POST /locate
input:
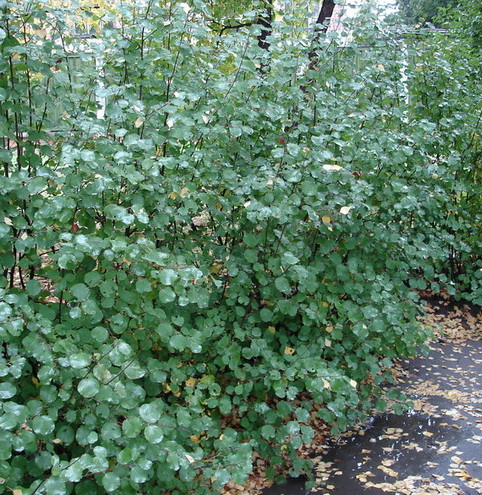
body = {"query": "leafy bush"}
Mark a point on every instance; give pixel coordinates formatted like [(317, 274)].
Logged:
[(196, 252)]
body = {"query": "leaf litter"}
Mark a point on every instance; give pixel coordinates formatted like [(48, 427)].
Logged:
[(446, 395)]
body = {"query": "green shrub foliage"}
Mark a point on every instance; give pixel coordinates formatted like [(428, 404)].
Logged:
[(203, 242)]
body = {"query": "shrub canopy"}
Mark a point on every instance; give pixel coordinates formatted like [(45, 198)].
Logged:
[(203, 242)]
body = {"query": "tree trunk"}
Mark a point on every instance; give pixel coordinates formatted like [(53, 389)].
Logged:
[(265, 21), (321, 26), (326, 11)]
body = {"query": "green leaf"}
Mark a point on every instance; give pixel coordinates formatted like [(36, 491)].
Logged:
[(167, 295), (111, 482), (179, 342), (149, 413), (138, 475), (80, 291), (7, 390), (167, 277), (74, 472), (132, 426), (289, 258), (100, 334), (143, 285), (154, 434), (266, 315), (43, 425), (117, 212), (88, 387), (268, 431), (33, 287), (81, 360), (282, 285)]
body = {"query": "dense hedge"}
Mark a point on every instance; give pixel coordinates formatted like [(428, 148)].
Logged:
[(190, 268)]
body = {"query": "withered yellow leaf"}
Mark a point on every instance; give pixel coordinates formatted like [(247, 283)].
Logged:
[(344, 210)]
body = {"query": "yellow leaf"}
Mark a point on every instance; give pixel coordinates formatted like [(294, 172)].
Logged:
[(272, 329), (173, 195), (195, 439), (344, 210), (191, 382), (329, 329), (328, 342), (331, 167), (138, 122), (326, 384), (353, 383), (326, 219), (189, 458), (380, 67), (289, 351), (216, 268), (8, 221), (184, 192), (17, 492)]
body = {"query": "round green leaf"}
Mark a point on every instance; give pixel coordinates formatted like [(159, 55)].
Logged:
[(100, 334), (111, 482), (88, 387), (154, 434), (43, 425), (167, 277), (143, 285), (80, 291), (7, 390), (81, 360), (149, 413), (32, 287), (74, 472), (167, 295), (132, 427)]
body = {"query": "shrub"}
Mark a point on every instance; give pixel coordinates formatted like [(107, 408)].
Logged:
[(196, 252)]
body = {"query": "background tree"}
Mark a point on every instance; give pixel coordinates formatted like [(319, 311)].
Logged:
[(423, 11)]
